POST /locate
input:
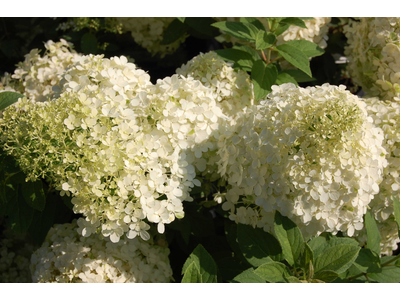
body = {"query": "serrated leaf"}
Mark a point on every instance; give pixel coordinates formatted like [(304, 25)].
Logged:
[(257, 245), (89, 43), (253, 21), (396, 208), (281, 29), (255, 55), (175, 30), (248, 276), (242, 31), (326, 276), (289, 236), (310, 49), (192, 274), (241, 59), (293, 21), (296, 57), (388, 275), (263, 77), (264, 40), (273, 272), (373, 234), (338, 258), (298, 75), (204, 262), (368, 261), (319, 247), (285, 78), (34, 195), (8, 98)]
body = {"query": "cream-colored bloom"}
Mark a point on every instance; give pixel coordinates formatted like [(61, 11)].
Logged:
[(386, 115), (310, 153), (65, 256), (373, 52), (36, 75)]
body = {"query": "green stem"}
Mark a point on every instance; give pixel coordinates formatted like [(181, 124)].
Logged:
[(268, 56), (263, 55)]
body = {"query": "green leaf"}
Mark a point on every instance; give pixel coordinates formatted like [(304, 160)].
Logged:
[(242, 31), (320, 248), (310, 49), (264, 40), (296, 57), (192, 274), (89, 43), (42, 221), (257, 245), (201, 27), (326, 276), (389, 274), (337, 258), (204, 262), (263, 77), (281, 29), (298, 75), (396, 207), (293, 21), (255, 55), (241, 59), (285, 78), (373, 234), (306, 256), (289, 236), (368, 261), (20, 214), (273, 272), (253, 21), (248, 276), (175, 30), (34, 195), (8, 98), (182, 19)]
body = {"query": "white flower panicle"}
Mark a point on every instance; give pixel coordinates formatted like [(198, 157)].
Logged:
[(386, 115), (373, 52), (310, 153), (233, 89), (148, 32), (189, 114), (36, 75), (102, 142), (65, 256)]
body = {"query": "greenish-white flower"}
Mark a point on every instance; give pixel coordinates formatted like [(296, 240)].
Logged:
[(311, 153), (373, 52)]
